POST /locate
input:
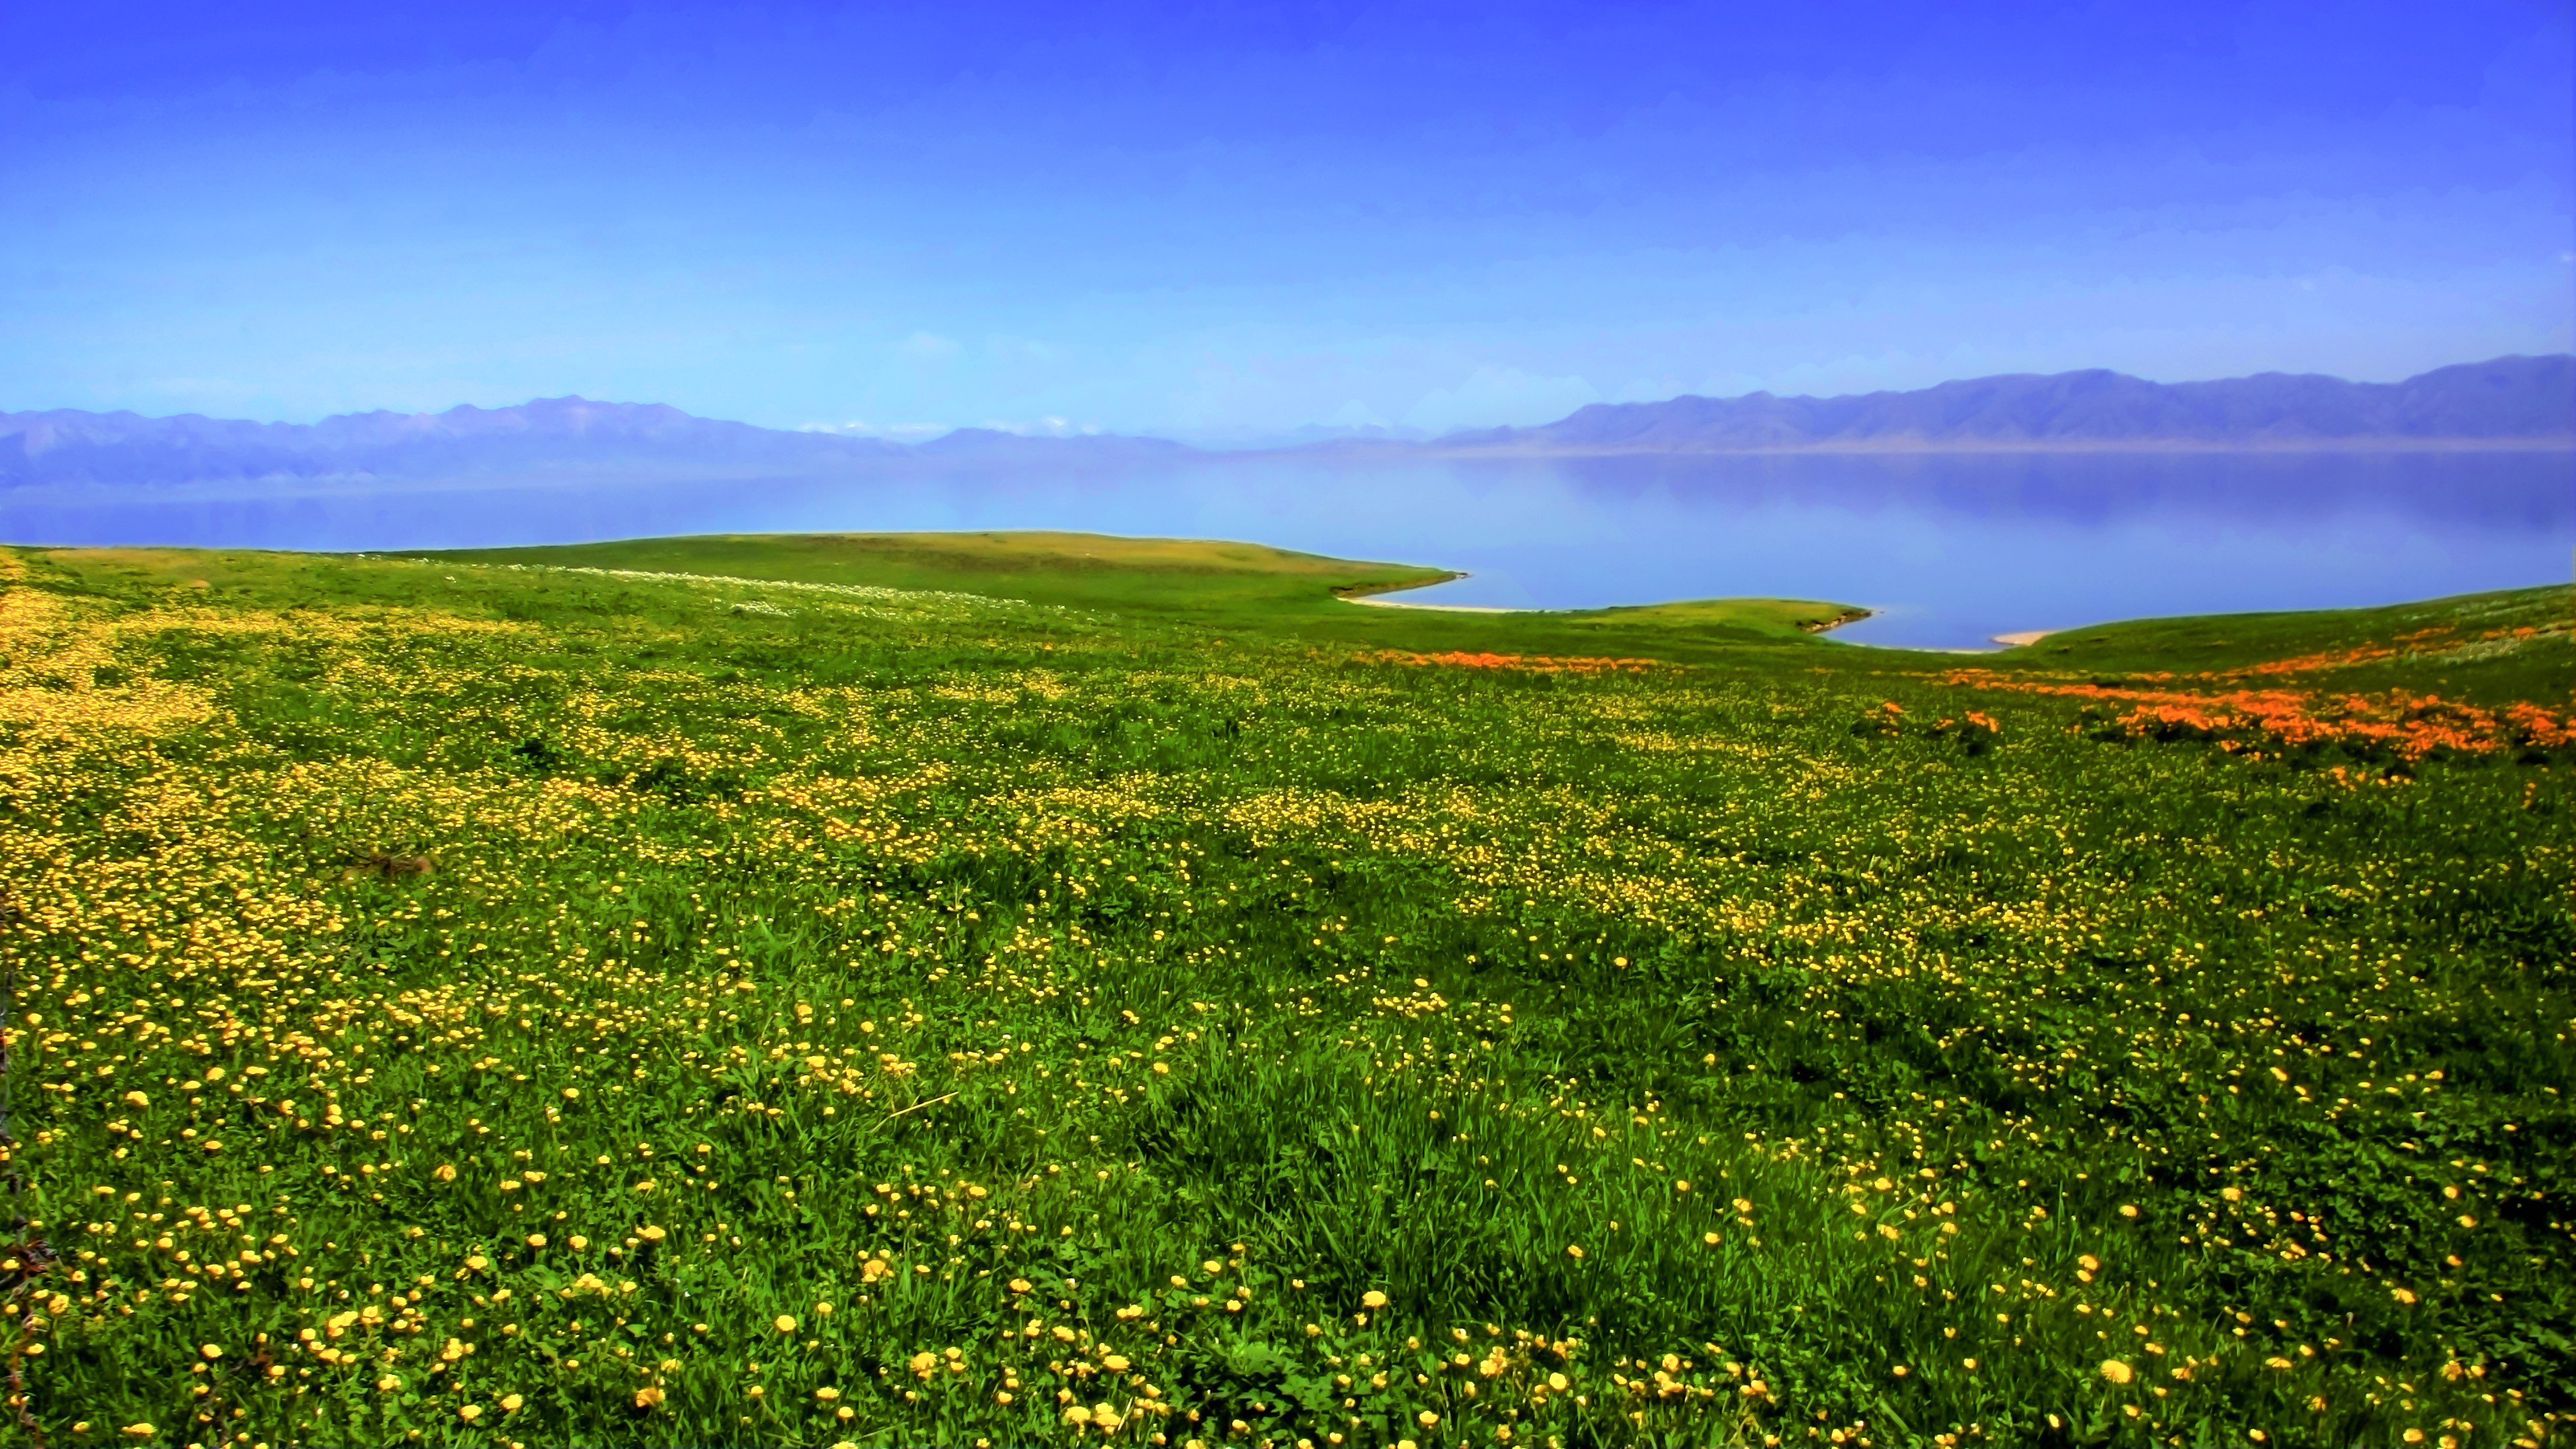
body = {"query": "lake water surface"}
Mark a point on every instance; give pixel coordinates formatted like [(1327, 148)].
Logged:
[(1950, 549)]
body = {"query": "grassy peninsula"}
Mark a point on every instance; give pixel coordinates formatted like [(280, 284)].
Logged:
[(1009, 989)]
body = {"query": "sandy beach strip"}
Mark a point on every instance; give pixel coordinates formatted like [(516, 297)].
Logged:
[(2022, 637), (1380, 601)]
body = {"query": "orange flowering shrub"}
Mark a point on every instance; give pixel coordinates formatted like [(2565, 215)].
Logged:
[(2437, 639), (2216, 705), (2410, 726)]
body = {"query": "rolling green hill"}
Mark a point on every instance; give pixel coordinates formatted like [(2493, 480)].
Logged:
[(1238, 586)]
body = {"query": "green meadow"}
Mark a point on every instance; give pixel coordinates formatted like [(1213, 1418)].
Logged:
[(1011, 989)]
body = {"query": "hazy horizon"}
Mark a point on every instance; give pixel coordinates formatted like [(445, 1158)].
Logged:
[(1250, 438)]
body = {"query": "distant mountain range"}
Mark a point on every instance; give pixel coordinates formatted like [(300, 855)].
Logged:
[(2509, 402), (567, 437)]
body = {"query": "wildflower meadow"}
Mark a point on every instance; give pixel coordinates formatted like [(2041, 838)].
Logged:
[(748, 993)]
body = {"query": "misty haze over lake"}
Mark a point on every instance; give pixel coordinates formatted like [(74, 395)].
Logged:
[(1950, 548)]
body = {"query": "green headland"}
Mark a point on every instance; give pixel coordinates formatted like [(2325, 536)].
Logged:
[(1244, 587)]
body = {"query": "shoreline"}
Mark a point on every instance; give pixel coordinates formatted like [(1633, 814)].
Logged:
[(1852, 615), (1375, 597), (1375, 602)]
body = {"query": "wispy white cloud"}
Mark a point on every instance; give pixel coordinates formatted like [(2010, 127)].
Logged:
[(1046, 427), (897, 432), (929, 348)]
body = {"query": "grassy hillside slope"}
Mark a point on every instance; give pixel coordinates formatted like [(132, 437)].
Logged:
[(1239, 586), (1145, 1000)]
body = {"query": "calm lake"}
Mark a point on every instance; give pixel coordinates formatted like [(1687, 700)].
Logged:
[(1949, 548)]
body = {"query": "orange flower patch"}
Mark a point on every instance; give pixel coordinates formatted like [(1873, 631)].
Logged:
[(2410, 726), (2438, 639), (1536, 663)]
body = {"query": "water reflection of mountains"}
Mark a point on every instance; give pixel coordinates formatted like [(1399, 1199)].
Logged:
[(2472, 489)]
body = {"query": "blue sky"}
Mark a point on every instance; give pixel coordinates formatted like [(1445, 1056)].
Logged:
[(1226, 221)]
